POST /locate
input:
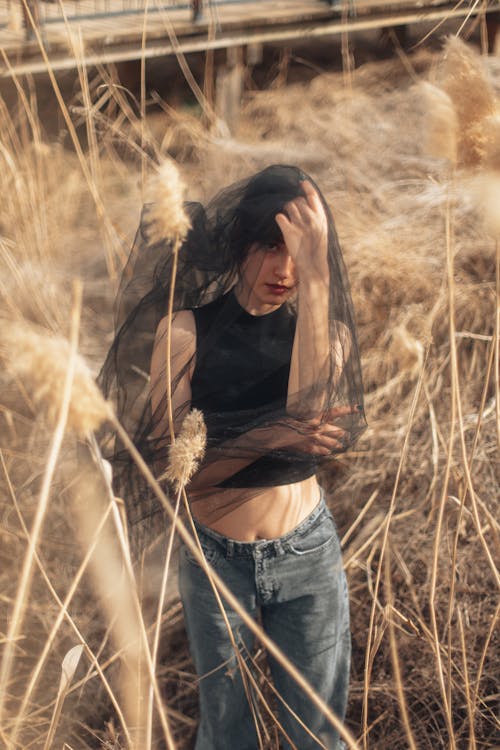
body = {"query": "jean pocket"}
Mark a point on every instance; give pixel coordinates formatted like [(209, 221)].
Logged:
[(319, 538), (209, 548)]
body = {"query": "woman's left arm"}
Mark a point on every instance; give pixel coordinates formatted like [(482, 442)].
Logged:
[(305, 232)]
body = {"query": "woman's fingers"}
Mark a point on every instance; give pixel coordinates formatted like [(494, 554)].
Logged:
[(312, 196), (296, 210), (324, 440), (342, 411), (283, 221)]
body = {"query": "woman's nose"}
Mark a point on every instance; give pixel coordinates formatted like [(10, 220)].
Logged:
[(284, 265)]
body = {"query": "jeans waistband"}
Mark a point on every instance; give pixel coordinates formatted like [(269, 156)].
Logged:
[(267, 547)]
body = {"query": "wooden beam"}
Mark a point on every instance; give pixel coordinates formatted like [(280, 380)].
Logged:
[(225, 40)]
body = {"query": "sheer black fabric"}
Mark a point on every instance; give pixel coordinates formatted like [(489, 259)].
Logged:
[(262, 390)]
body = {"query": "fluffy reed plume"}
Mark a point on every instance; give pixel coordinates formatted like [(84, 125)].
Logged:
[(187, 451), (490, 145), (465, 81), (486, 185), (442, 130), (463, 126), (485, 192), (168, 219), (40, 361)]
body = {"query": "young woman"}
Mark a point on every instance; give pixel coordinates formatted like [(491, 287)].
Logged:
[(263, 343)]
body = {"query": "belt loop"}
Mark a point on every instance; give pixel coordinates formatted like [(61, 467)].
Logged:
[(229, 548)]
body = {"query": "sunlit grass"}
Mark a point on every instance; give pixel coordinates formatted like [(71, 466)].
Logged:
[(424, 267)]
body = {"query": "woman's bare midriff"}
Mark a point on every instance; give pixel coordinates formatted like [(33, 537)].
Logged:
[(258, 514)]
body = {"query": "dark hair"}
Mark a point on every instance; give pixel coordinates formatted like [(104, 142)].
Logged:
[(265, 196)]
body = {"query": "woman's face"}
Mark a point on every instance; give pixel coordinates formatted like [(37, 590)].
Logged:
[(267, 278)]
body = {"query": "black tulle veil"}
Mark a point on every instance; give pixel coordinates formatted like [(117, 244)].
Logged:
[(207, 270)]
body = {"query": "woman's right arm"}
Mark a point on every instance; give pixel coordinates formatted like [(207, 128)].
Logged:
[(222, 462), (182, 358)]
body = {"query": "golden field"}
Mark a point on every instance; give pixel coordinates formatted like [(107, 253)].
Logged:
[(407, 151)]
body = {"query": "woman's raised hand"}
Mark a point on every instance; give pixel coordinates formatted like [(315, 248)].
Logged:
[(305, 230)]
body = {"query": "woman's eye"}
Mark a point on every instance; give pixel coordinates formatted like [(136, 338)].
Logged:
[(271, 248)]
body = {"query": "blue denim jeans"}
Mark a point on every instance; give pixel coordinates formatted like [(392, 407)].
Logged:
[(297, 585)]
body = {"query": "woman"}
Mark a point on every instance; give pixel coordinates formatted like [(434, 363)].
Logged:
[(263, 343)]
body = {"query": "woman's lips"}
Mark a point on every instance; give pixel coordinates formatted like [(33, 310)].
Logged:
[(277, 288)]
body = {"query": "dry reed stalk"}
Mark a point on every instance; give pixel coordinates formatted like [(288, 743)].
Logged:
[(17, 616), (497, 340), (46, 362), (276, 723), (209, 113), (469, 461), (390, 513), (489, 636), (115, 583), (394, 651), (169, 223), (143, 95), (126, 128), (109, 233), (22, 152), (364, 540), (131, 590), (78, 49), (474, 109), (185, 454), (157, 625), (68, 669), (116, 597), (470, 706), (434, 571), (359, 518), (466, 460), (62, 612)]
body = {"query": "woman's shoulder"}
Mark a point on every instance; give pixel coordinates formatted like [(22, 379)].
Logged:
[(183, 329)]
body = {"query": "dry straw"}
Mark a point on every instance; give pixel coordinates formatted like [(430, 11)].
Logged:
[(40, 361), (390, 202)]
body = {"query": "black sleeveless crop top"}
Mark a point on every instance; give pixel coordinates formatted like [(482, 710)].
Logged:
[(240, 381)]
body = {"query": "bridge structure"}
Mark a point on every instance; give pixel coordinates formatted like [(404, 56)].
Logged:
[(64, 33)]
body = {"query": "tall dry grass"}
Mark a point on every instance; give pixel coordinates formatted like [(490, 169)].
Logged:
[(410, 170)]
